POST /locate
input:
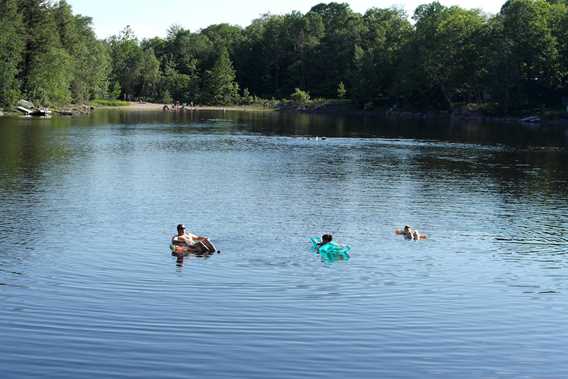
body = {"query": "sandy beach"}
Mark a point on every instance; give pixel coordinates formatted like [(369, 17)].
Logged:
[(134, 106)]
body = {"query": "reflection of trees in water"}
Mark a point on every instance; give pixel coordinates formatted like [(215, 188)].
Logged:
[(533, 173), (33, 156), (30, 148), (329, 125), (527, 186), (473, 131), (518, 173)]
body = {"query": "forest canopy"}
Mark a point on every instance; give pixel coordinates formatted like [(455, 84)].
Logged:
[(441, 57)]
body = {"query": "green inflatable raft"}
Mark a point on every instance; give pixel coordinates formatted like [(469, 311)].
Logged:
[(331, 251)]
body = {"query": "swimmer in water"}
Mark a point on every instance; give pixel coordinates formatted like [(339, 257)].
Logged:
[(410, 234), (325, 239)]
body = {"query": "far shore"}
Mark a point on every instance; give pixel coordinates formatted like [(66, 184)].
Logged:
[(76, 110), (333, 108)]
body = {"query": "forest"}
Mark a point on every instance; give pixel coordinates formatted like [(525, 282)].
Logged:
[(439, 58)]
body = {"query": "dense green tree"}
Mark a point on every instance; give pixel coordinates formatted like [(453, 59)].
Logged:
[(48, 67), (517, 59), (50, 77), (259, 59), (100, 66), (448, 50), (149, 75), (11, 51), (224, 35), (221, 86), (90, 60), (334, 56), (158, 45), (559, 25), (377, 61), (127, 61), (176, 86), (276, 53), (190, 52), (525, 61)]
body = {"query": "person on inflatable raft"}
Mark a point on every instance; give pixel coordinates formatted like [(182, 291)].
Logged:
[(329, 250), (185, 242)]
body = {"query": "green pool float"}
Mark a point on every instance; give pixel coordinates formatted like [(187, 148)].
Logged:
[(331, 251)]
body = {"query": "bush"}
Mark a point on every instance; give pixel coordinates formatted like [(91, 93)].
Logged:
[(341, 91), (300, 97), (246, 98)]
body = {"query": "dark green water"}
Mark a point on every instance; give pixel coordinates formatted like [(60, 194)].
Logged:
[(88, 288)]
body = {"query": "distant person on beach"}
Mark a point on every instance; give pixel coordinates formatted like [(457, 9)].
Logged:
[(194, 244), (410, 234)]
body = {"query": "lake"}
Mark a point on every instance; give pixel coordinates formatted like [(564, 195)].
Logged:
[(89, 288)]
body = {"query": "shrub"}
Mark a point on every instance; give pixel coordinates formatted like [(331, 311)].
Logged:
[(300, 97), (341, 91)]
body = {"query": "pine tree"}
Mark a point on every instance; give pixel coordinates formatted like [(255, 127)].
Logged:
[(221, 86)]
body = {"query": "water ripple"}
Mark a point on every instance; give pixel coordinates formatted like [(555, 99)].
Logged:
[(89, 288)]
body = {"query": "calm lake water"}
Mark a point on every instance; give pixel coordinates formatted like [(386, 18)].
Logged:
[(89, 289)]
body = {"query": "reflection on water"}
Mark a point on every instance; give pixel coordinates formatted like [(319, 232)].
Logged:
[(185, 258), (88, 288)]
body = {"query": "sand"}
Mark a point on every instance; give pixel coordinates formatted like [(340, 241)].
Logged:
[(133, 106)]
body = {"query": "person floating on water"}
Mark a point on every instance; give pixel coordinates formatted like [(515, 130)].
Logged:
[(329, 250), (191, 243), (325, 239), (410, 234)]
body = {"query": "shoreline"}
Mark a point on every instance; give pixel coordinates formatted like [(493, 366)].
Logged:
[(349, 110), (327, 109), (81, 110), (160, 107)]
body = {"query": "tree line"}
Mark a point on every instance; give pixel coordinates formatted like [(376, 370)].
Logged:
[(440, 58)]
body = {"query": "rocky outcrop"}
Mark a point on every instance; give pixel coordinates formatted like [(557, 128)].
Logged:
[(75, 110)]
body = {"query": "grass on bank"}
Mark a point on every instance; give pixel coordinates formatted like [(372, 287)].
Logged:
[(110, 103)]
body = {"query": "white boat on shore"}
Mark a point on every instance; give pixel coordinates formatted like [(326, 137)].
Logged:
[(40, 112)]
